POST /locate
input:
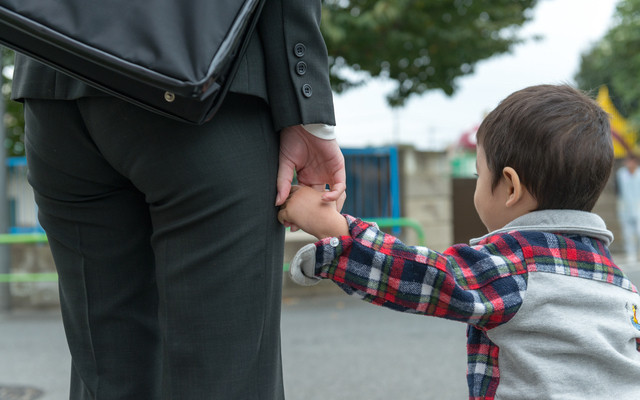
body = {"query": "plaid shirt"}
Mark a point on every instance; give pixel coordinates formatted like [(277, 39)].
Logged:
[(480, 285)]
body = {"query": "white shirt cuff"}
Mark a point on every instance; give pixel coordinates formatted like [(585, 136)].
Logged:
[(322, 131)]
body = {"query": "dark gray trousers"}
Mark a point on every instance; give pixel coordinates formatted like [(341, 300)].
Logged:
[(167, 246)]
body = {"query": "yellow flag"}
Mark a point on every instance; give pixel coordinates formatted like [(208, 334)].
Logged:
[(623, 137)]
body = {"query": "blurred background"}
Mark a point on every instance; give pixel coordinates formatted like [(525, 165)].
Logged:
[(412, 80)]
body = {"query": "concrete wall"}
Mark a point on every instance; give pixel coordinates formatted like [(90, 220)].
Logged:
[(32, 258), (425, 185)]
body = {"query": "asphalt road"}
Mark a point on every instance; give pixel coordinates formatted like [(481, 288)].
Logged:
[(340, 348), (334, 348)]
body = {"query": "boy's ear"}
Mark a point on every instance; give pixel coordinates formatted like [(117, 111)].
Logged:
[(514, 186)]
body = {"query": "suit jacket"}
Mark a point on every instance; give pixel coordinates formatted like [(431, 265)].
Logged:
[(286, 64)]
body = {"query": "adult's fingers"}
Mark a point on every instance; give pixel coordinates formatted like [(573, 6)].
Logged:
[(283, 182), (335, 192)]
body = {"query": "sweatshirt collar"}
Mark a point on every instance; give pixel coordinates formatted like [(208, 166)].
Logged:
[(557, 221)]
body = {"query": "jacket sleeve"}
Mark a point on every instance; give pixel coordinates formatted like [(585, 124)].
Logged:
[(481, 285), (297, 65)]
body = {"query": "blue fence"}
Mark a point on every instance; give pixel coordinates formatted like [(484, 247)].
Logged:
[(373, 182)]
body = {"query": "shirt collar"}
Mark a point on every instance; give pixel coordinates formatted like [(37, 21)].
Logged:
[(557, 221)]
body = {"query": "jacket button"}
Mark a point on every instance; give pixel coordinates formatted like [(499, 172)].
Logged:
[(299, 50), (301, 68), (307, 91)]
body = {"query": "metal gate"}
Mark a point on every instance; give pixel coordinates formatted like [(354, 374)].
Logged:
[(373, 187)]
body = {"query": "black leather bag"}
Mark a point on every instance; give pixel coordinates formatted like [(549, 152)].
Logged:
[(175, 57)]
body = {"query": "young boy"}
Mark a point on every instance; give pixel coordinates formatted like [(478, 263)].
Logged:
[(549, 314)]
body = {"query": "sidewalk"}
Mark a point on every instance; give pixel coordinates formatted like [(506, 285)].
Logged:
[(357, 351), (34, 360)]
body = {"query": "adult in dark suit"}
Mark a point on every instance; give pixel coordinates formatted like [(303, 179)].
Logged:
[(164, 234)]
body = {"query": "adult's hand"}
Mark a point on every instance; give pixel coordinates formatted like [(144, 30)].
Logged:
[(318, 162)]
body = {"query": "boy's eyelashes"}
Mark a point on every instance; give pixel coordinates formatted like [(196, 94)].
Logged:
[(476, 175)]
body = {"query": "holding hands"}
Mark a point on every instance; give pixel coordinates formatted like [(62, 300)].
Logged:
[(306, 209), (317, 161)]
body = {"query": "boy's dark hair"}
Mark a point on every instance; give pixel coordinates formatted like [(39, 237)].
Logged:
[(557, 139)]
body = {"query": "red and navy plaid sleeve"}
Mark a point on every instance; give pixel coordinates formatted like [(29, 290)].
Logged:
[(481, 286)]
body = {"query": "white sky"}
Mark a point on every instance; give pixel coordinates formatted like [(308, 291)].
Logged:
[(433, 121)]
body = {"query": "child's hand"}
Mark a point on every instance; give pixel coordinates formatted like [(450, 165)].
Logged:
[(305, 209)]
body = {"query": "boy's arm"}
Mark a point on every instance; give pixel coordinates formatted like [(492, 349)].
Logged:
[(475, 285)]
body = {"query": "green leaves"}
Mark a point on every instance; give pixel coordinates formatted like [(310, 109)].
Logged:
[(419, 44), (615, 61)]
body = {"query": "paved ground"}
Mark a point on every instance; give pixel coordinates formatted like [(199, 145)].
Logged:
[(340, 348), (334, 348), (34, 363)]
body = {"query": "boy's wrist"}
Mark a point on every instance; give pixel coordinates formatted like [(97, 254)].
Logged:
[(336, 226)]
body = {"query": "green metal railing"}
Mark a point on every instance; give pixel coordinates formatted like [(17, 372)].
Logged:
[(15, 238), (401, 223), (53, 277), (24, 277)]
